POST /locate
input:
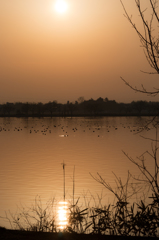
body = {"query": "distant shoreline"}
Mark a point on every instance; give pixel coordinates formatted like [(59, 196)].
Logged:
[(90, 108)]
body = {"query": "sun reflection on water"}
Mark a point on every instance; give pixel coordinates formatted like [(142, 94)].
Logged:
[(62, 215)]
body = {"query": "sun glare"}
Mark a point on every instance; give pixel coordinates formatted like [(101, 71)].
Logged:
[(61, 6), (62, 215)]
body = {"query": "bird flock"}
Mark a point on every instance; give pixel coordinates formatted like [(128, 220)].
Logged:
[(65, 130)]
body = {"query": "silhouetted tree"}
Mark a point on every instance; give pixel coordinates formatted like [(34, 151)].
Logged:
[(148, 37), (33, 108), (40, 109), (25, 108), (106, 99), (70, 108), (7, 108), (80, 99), (51, 107), (139, 106)]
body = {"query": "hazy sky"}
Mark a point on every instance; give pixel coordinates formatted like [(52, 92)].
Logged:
[(46, 55)]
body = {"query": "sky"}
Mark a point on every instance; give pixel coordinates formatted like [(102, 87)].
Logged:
[(46, 55)]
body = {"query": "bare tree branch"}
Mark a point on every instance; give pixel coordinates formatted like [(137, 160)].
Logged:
[(148, 38)]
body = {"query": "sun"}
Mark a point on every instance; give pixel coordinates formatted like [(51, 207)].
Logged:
[(61, 6)]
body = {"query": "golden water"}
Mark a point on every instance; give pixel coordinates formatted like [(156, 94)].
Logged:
[(33, 150)]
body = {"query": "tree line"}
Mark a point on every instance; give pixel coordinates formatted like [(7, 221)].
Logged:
[(81, 107)]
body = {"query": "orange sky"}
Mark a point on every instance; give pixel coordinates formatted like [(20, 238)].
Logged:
[(46, 56)]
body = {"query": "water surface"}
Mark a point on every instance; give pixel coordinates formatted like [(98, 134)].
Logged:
[(33, 150)]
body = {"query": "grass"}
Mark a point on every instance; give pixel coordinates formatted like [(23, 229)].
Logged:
[(119, 219)]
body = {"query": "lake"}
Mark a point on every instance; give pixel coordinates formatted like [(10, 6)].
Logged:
[(34, 149)]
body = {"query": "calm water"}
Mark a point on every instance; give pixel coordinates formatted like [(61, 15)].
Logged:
[(33, 150)]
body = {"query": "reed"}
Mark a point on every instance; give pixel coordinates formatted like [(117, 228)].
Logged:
[(120, 218)]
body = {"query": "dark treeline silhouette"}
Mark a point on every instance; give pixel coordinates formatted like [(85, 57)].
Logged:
[(81, 107)]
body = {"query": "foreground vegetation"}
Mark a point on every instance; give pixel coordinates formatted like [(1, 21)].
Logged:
[(120, 218)]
